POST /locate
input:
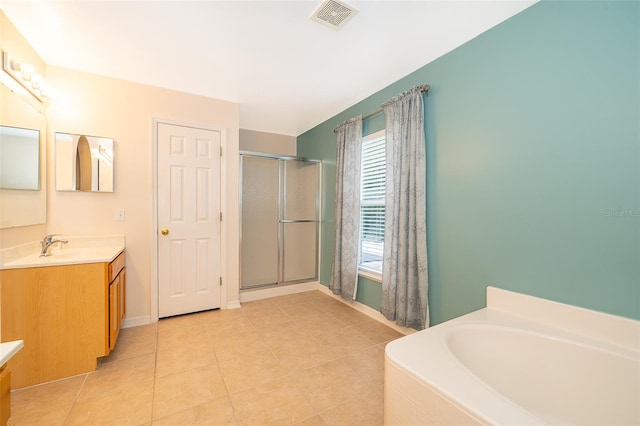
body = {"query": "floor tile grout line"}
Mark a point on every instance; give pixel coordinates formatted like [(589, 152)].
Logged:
[(75, 399), (226, 387), (298, 372), (155, 371), (324, 309)]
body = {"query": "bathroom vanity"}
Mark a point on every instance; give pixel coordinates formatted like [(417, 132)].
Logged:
[(67, 308), (7, 351)]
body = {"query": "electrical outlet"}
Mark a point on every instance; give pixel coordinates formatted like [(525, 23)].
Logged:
[(120, 215)]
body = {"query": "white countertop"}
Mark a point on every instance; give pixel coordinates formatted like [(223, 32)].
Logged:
[(9, 349), (78, 250)]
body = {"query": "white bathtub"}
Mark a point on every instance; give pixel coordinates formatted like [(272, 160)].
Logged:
[(522, 360)]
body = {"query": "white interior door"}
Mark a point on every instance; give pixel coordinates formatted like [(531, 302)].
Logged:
[(188, 219)]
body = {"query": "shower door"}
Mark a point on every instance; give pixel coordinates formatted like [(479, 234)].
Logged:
[(279, 212)]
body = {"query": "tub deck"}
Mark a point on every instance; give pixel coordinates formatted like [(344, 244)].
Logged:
[(522, 360)]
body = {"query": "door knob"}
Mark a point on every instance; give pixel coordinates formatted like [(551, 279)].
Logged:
[(164, 231)]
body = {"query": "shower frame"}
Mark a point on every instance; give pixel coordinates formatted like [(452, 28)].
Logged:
[(281, 202)]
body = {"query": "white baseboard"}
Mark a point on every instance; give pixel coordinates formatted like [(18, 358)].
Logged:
[(134, 322), (234, 304), (368, 311), (249, 296), (265, 293)]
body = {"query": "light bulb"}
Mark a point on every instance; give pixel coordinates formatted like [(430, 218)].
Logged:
[(36, 83), (15, 65), (27, 73)]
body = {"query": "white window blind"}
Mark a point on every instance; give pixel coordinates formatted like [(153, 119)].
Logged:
[(372, 199)]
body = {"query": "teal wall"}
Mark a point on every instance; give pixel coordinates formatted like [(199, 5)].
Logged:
[(533, 146)]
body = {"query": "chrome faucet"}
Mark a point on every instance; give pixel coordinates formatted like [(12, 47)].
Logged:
[(48, 241)]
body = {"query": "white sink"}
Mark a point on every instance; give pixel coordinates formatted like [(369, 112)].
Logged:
[(84, 253)]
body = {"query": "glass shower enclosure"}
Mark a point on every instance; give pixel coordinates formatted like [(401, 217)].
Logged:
[(279, 206)]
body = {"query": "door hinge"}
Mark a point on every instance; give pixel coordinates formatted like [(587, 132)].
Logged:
[(220, 281), (220, 216), (220, 151)]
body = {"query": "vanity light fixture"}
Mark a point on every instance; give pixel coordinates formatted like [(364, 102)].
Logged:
[(25, 76)]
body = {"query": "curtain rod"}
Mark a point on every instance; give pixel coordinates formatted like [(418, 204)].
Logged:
[(423, 88)]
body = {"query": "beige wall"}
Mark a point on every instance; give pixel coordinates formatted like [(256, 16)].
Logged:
[(100, 106), (267, 143)]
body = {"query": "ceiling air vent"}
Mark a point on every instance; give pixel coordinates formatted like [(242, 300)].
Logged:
[(333, 14)]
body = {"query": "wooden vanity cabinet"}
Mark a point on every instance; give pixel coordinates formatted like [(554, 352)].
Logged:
[(67, 315)]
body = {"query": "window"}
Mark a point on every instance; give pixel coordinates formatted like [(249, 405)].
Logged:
[(372, 200)]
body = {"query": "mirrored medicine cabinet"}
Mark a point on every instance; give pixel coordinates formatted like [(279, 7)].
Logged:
[(84, 163)]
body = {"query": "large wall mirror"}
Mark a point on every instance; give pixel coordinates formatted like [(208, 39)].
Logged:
[(84, 163), (19, 158), (23, 194)]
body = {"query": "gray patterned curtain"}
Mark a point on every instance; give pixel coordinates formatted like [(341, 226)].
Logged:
[(344, 274), (404, 270)]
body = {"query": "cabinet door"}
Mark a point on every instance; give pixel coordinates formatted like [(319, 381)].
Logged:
[(122, 299), (5, 395), (114, 314)]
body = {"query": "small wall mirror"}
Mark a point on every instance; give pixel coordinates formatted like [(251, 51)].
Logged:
[(19, 158), (84, 163)]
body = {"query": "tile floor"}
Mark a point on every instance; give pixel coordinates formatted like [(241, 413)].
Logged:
[(300, 359)]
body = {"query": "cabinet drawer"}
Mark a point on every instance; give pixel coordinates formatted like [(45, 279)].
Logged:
[(116, 266)]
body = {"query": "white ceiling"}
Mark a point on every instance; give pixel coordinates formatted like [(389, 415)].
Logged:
[(287, 72)]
